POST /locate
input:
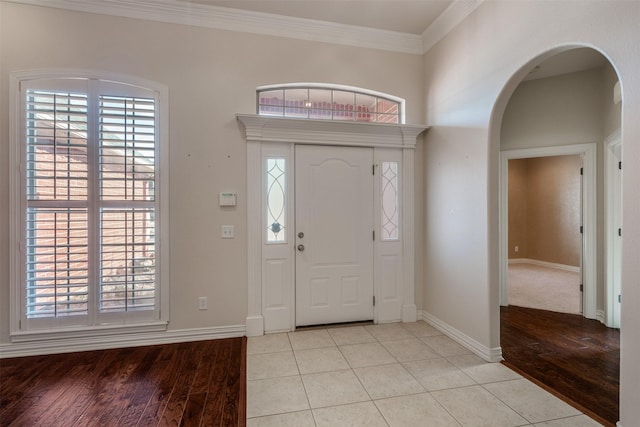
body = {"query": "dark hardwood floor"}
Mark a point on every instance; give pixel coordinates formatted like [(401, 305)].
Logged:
[(575, 358), (188, 384)]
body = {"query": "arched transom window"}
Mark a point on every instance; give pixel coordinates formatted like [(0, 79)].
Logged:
[(329, 102)]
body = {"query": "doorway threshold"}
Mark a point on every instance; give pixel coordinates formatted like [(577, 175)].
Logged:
[(334, 325)]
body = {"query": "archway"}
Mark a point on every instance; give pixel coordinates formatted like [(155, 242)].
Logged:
[(498, 239)]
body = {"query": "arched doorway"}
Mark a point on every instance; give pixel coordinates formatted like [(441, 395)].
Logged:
[(606, 261)]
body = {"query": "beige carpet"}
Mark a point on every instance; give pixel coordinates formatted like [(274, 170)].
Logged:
[(544, 288)]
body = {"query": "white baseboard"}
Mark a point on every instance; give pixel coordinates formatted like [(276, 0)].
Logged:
[(409, 313), (41, 347), (486, 353), (573, 268), (601, 317), (255, 326)]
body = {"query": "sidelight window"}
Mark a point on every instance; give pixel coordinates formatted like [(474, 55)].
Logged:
[(389, 212), (276, 192)]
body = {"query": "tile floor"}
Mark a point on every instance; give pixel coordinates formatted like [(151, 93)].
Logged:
[(391, 375)]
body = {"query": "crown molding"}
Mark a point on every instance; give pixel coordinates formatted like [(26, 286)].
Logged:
[(223, 18), (447, 21)]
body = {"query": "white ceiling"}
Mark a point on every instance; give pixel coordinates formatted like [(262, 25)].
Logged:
[(405, 16), (570, 61)]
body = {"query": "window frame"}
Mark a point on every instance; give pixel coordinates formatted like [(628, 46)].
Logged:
[(89, 81)]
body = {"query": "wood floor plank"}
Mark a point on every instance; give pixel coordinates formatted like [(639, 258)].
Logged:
[(152, 414), (194, 409), (203, 375), (140, 386), (39, 390), (242, 398), (178, 399), (108, 385), (61, 407), (214, 405), (133, 364), (575, 357), (232, 387), (139, 396)]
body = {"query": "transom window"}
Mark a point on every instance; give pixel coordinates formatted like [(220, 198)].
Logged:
[(329, 102), (89, 205)]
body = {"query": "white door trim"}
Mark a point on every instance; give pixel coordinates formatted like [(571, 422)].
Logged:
[(589, 242), (613, 206), (270, 290)]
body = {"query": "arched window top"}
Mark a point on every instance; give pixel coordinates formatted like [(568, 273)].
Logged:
[(321, 101)]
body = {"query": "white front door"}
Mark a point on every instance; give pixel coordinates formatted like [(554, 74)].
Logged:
[(334, 234)]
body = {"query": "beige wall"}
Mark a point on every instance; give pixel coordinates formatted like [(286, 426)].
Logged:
[(561, 110), (544, 209), (211, 76), (518, 209), (470, 76)]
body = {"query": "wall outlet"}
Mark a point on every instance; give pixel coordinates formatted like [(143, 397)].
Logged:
[(202, 303), (516, 249)]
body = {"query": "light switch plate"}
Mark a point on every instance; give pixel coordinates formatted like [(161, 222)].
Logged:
[(227, 232)]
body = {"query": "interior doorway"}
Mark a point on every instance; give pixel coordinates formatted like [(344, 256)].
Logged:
[(586, 229), (545, 241)]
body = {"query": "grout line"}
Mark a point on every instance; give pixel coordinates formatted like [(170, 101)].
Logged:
[(402, 365)]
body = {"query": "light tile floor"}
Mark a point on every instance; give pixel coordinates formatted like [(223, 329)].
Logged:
[(391, 375)]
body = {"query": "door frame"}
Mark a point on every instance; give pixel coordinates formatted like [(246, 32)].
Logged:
[(271, 267), (589, 212), (613, 194)]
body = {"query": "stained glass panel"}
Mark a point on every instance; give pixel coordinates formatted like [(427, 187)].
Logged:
[(389, 190), (276, 219)]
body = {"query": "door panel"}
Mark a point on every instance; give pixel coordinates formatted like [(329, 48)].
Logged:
[(334, 226)]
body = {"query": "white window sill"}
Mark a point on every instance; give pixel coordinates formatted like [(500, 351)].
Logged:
[(85, 332)]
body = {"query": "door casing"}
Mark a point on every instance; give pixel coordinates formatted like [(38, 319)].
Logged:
[(271, 267), (613, 223), (589, 242)]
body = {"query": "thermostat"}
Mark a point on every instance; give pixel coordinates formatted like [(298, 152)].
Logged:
[(227, 199)]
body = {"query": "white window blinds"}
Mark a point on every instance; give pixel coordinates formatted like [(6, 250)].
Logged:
[(90, 205), (57, 235)]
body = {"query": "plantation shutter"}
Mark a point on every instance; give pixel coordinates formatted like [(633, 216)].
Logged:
[(57, 204), (90, 206), (127, 203)]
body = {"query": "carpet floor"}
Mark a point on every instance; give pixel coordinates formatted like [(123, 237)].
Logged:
[(544, 288)]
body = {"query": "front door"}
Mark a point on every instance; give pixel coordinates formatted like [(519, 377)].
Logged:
[(334, 234)]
